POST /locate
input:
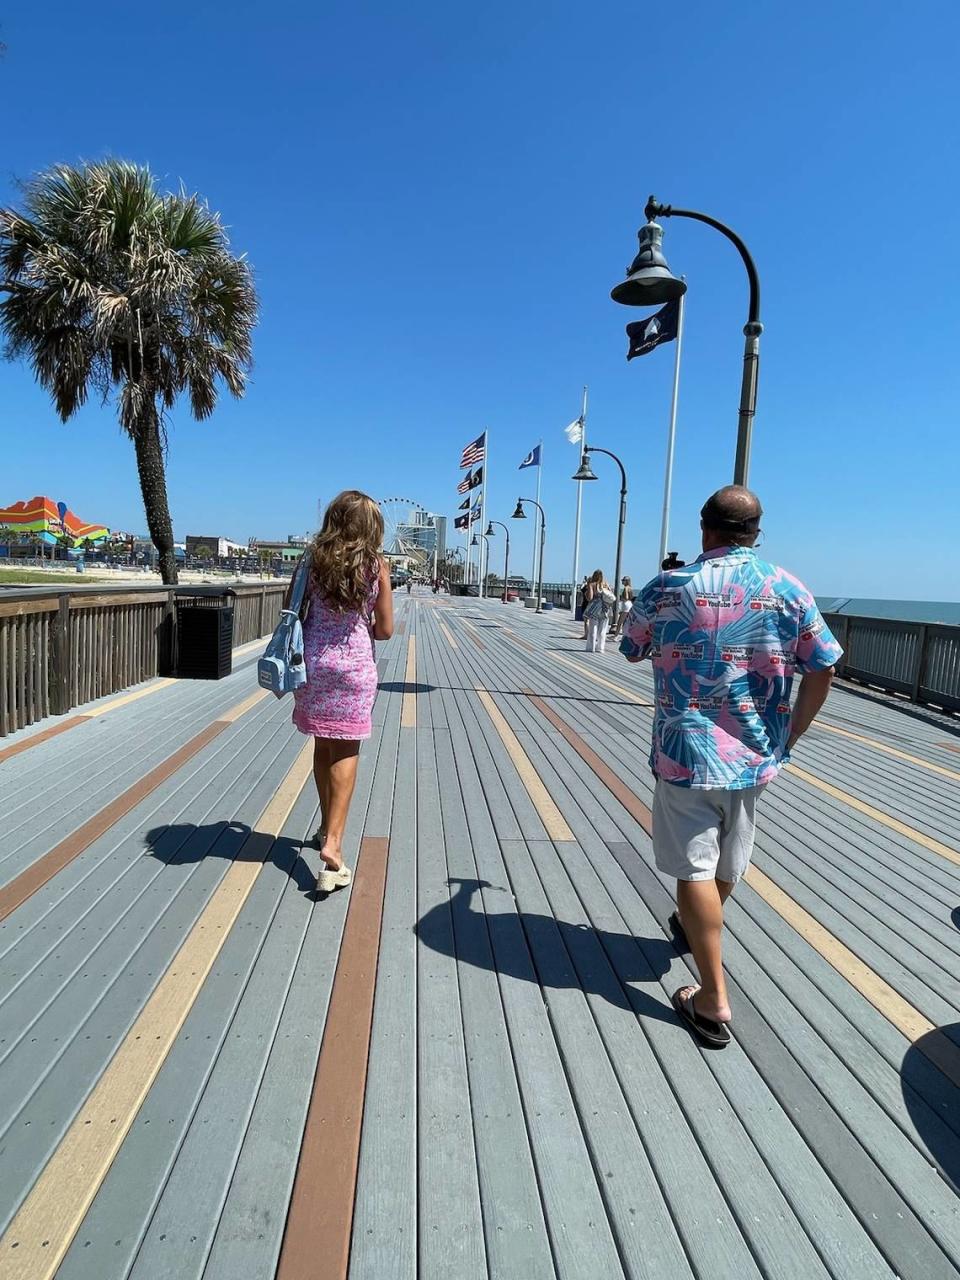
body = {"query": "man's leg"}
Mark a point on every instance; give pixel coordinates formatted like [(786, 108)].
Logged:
[(701, 915)]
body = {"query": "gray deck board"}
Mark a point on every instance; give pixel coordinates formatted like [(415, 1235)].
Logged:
[(532, 1108), (451, 1235)]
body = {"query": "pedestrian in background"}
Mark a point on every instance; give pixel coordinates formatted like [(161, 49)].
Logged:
[(624, 604), (597, 611), (349, 604), (725, 635)]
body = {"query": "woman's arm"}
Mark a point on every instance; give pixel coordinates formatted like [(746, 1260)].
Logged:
[(383, 609)]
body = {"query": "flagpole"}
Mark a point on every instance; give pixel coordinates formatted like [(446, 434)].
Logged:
[(671, 440), (536, 527), (576, 527), (483, 512)]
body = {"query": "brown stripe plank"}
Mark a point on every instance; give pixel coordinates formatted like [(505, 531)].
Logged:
[(37, 875), (316, 1242), (43, 736), (631, 802)]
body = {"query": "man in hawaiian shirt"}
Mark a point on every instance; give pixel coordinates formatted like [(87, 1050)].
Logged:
[(725, 635)]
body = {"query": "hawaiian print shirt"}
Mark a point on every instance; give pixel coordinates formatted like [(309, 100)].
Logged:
[(725, 636)]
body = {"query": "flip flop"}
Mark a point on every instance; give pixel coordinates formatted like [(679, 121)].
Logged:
[(678, 931), (328, 879), (715, 1034)]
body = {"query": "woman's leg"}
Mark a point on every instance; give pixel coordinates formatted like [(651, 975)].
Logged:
[(601, 643), (343, 776), (321, 774)]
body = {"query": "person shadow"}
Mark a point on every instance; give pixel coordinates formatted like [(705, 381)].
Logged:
[(554, 954), (930, 1080), (955, 916), (180, 843)]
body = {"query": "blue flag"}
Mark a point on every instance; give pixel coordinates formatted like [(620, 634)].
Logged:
[(531, 460)]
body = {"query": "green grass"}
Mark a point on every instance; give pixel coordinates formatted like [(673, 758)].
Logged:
[(31, 577)]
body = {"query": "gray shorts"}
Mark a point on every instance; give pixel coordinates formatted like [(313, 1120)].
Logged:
[(703, 835)]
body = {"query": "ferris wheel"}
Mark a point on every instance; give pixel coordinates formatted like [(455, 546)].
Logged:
[(408, 529)]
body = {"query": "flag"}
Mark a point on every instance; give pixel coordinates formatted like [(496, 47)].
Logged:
[(461, 522), (644, 335), (531, 460), (475, 515), (474, 452), (464, 505), (477, 505), (466, 483), (574, 432)]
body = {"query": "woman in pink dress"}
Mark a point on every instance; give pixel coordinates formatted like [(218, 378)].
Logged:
[(349, 604)]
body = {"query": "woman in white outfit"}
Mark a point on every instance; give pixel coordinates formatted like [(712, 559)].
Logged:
[(597, 612), (624, 604)]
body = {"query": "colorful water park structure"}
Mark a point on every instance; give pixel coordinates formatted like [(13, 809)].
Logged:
[(52, 522)]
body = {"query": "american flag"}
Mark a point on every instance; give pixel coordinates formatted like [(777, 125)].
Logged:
[(474, 452), (466, 483)]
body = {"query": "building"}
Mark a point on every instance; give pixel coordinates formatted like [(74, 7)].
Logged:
[(219, 548), (288, 552)]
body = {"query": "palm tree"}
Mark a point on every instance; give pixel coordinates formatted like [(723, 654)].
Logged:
[(115, 287)]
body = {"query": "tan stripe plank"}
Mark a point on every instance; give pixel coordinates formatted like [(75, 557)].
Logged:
[(553, 820), (316, 1243), (126, 698), (449, 635), (878, 815), (892, 751), (40, 1234), (907, 1019)]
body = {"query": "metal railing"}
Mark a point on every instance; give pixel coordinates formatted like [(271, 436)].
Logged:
[(919, 659), (60, 648)]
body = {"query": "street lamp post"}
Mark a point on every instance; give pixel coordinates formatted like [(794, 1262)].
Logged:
[(475, 542), (506, 554), (650, 282), (520, 514), (586, 473)]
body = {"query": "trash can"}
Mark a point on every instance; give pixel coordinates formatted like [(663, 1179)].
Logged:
[(205, 637)]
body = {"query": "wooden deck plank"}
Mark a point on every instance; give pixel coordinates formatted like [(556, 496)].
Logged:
[(777, 1236), (47, 1077), (451, 1236), (113, 1230), (385, 1214), (515, 1231), (250, 1230), (570, 1173)]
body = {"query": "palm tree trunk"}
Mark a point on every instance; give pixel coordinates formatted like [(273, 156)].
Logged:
[(153, 486)]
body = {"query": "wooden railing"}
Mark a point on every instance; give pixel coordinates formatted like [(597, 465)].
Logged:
[(919, 659), (60, 649)]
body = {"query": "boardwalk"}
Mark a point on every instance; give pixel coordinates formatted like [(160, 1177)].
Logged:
[(467, 1065)]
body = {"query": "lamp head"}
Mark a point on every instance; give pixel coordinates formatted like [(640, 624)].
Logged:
[(649, 282), (474, 542), (489, 533), (586, 471), (519, 514)]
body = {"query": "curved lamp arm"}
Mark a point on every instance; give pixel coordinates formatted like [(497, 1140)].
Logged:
[(656, 210)]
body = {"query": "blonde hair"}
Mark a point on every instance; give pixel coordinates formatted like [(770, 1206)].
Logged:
[(597, 575), (345, 554)]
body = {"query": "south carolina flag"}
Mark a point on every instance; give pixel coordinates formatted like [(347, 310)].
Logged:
[(532, 459)]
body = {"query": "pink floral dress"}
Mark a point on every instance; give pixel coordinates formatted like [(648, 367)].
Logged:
[(341, 667)]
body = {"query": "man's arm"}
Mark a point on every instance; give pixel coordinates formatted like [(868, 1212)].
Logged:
[(814, 687)]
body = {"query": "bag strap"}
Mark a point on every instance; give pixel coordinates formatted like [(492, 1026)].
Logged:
[(300, 575)]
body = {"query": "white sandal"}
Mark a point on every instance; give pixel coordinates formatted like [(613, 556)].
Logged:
[(328, 879)]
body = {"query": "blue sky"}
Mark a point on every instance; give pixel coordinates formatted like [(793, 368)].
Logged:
[(437, 200)]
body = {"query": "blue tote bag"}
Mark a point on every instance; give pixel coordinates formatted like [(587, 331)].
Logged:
[(282, 669)]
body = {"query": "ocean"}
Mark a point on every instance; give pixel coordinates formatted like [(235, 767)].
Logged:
[(944, 611)]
